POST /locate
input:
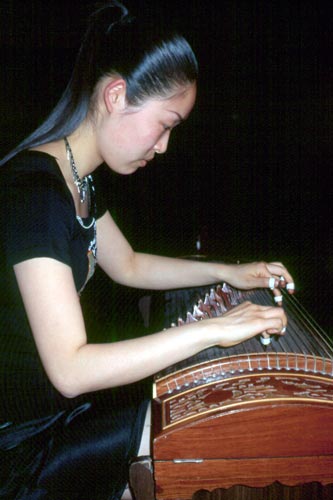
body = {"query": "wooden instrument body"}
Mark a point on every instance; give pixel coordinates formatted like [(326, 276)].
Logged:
[(243, 419)]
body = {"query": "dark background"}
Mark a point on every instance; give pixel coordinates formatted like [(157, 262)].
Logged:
[(251, 169)]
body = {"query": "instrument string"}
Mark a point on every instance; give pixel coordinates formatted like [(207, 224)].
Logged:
[(302, 345), (311, 324), (300, 336)]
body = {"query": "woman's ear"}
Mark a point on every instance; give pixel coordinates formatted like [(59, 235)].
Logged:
[(115, 94)]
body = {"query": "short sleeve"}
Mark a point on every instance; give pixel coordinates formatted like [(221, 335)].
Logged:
[(39, 218)]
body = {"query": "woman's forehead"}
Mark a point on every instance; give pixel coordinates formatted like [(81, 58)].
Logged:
[(180, 102)]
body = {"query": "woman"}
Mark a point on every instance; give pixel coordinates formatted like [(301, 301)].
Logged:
[(70, 419)]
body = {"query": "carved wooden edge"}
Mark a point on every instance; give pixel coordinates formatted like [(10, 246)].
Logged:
[(142, 483), (182, 481), (225, 368), (274, 491), (141, 478)]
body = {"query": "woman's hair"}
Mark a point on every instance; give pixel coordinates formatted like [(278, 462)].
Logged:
[(153, 63)]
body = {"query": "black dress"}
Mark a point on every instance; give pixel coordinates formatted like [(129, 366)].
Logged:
[(52, 447)]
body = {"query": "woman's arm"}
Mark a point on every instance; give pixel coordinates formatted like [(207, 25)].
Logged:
[(122, 264), (75, 367)]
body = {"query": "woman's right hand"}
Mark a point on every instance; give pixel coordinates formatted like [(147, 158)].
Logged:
[(245, 321)]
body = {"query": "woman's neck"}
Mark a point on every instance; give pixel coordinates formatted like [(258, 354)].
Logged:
[(80, 151)]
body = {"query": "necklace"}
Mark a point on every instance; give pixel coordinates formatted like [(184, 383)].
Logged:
[(81, 184)]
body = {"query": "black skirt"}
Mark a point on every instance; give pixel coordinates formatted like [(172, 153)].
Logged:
[(82, 453)]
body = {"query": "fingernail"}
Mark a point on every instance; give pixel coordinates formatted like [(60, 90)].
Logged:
[(290, 286), (271, 283), (278, 298)]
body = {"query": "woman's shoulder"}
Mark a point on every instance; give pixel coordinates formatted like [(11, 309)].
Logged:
[(33, 168), (33, 177), (30, 162)]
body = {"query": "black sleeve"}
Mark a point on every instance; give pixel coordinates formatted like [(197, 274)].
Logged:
[(39, 218)]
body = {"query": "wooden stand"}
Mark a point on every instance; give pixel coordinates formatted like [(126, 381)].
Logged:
[(253, 429)]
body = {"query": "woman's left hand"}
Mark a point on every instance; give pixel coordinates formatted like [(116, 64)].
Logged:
[(271, 275)]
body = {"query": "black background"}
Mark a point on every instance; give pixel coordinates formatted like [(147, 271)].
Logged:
[(251, 169)]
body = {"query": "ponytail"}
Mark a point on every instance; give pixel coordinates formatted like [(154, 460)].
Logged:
[(152, 62)]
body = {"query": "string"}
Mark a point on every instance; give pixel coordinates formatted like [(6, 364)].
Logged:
[(307, 320), (302, 346)]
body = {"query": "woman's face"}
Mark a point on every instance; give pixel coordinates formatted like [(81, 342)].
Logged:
[(130, 137)]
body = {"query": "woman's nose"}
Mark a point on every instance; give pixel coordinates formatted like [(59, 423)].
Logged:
[(162, 144)]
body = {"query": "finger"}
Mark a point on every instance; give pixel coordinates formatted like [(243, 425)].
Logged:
[(265, 339), (283, 278), (271, 282), (278, 298), (248, 320), (274, 331), (290, 287), (271, 320), (274, 320), (282, 282)]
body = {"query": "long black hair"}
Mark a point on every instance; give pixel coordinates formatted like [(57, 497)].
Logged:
[(152, 61)]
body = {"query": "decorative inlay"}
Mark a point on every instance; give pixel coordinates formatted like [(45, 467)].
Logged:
[(244, 390)]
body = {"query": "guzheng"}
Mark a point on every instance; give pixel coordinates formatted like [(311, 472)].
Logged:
[(249, 415)]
